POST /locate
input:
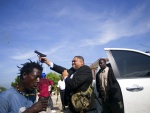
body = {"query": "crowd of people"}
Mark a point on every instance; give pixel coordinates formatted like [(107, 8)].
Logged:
[(22, 98)]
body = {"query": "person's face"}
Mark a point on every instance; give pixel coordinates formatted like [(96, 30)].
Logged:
[(31, 80), (77, 63), (102, 64)]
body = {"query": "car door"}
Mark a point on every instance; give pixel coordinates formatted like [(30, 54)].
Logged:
[(132, 70)]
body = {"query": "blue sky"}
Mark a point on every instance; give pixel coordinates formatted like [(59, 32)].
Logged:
[(64, 28)]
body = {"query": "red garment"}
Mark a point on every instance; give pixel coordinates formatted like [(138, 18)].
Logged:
[(43, 87)]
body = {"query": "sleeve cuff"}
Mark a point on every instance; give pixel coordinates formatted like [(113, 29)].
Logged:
[(51, 65)]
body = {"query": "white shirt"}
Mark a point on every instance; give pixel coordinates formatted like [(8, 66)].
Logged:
[(103, 77), (61, 84)]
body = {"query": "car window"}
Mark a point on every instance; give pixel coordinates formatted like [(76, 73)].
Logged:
[(132, 64)]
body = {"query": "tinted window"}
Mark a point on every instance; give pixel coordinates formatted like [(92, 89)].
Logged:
[(132, 64)]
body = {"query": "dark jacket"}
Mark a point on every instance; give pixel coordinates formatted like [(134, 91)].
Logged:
[(60, 69), (113, 88), (81, 80)]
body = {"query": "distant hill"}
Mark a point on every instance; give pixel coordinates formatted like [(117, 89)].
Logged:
[(2, 88)]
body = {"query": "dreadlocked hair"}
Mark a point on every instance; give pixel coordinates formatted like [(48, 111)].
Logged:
[(28, 67)]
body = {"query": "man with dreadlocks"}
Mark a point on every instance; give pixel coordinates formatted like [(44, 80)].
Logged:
[(19, 99)]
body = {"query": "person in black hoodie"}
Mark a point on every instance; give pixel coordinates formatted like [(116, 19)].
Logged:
[(109, 89), (78, 79)]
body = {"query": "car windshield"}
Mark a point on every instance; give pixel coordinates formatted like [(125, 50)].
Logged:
[(132, 64)]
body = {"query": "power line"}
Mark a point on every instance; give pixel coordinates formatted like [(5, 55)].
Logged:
[(144, 45)]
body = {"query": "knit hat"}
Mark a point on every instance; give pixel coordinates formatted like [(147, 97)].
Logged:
[(43, 75)]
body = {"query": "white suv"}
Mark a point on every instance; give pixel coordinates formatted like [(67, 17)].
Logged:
[(132, 70)]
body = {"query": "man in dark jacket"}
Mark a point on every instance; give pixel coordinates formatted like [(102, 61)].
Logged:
[(109, 89), (79, 80)]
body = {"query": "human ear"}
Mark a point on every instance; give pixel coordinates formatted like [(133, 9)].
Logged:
[(82, 63), (24, 75)]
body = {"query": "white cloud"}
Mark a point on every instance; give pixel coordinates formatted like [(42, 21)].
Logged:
[(23, 55), (62, 12), (55, 49), (127, 26)]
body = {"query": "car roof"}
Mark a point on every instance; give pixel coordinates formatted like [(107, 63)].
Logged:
[(95, 64), (126, 49)]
